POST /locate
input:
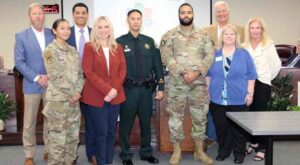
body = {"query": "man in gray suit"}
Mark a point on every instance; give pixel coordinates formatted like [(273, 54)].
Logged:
[(28, 50)]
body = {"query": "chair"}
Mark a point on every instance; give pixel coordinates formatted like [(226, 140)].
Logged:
[(285, 52)]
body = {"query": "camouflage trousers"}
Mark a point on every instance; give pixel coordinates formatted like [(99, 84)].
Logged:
[(181, 97), (63, 131)]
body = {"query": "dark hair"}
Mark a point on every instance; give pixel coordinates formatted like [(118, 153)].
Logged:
[(56, 23), (80, 5), (185, 4), (134, 10)]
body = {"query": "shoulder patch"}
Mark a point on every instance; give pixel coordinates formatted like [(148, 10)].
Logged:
[(48, 57), (162, 43), (147, 46)]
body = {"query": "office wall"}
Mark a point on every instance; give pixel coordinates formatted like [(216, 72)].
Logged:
[(158, 16), (14, 18), (68, 4), (281, 16)]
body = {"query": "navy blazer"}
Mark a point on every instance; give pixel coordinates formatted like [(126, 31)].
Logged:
[(72, 39), (28, 58)]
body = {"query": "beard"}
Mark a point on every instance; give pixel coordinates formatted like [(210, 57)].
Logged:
[(186, 22)]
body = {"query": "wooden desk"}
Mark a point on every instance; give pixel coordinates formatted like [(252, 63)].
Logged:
[(268, 124), (7, 84)]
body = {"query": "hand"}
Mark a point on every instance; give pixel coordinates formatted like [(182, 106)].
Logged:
[(107, 98), (74, 98), (111, 95), (248, 99), (190, 76), (159, 95), (43, 81)]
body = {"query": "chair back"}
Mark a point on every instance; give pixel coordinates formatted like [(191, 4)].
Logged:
[(285, 52)]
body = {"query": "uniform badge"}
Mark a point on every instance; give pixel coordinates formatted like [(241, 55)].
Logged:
[(126, 49), (49, 58), (147, 46), (162, 43)]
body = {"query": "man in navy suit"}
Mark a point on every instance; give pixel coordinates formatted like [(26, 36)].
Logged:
[(28, 51), (79, 32)]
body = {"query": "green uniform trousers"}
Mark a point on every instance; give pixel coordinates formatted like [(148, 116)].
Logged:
[(138, 103), (63, 131)]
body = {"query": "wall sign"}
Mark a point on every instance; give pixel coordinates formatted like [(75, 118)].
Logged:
[(51, 9)]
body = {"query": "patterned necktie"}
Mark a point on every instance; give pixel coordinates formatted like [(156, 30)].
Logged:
[(227, 66), (81, 42)]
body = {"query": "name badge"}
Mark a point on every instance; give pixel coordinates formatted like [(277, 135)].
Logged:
[(126, 49), (219, 59)]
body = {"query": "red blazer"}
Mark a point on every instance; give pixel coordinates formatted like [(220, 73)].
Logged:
[(98, 82)]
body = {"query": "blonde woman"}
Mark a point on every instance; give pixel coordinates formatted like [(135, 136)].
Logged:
[(267, 64), (230, 83), (105, 70)]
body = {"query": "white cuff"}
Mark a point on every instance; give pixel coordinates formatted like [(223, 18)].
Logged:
[(36, 78)]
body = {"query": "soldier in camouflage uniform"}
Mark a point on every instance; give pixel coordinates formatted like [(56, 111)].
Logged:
[(187, 53), (65, 83)]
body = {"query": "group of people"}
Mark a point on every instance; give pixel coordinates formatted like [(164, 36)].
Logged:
[(86, 71)]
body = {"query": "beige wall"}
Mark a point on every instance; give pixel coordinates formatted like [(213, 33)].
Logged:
[(14, 18), (68, 5), (281, 16)]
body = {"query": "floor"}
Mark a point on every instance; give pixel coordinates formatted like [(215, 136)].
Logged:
[(285, 153)]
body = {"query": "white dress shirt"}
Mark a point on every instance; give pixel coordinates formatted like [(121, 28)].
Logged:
[(219, 31), (78, 34), (106, 53), (40, 36), (266, 60)]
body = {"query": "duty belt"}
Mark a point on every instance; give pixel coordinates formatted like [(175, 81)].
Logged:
[(131, 82)]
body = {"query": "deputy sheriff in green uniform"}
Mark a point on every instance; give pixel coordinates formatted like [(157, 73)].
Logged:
[(144, 71)]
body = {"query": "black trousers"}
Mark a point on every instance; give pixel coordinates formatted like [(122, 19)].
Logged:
[(230, 136), (261, 97), (138, 103)]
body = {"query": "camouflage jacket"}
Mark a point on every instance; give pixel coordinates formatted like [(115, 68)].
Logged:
[(192, 50), (64, 70)]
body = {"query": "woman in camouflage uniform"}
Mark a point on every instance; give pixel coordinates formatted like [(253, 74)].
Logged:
[(65, 83)]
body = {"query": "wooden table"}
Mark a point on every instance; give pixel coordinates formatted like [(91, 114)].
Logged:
[(268, 124)]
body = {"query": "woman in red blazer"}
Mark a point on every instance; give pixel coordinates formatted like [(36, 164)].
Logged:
[(105, 70)]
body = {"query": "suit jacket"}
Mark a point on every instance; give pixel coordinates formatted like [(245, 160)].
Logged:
[(28, 58), (212, 30), (72, 39), (98, 81)]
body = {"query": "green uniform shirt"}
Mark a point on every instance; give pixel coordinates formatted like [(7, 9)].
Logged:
[(151, 59)]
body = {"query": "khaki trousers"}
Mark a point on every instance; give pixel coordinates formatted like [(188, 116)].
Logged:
[(31, 107)]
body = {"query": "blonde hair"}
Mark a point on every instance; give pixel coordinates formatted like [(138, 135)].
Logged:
[(264, 40), (237, 36), (35, 4), (112, 44)]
